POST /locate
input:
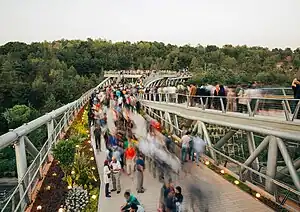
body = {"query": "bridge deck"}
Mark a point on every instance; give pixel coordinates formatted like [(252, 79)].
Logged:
[(203, 190), (265, 125)]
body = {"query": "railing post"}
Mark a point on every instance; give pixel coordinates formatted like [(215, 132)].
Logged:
[(222, 106), (65, 121), (50, 128), (21, 166)]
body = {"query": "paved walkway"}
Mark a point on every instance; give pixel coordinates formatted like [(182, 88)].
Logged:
[(203, 190)]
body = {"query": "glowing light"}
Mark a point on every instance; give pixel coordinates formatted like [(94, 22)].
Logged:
[(89, 141), (69, 187), (48, 188), (87, 131), (236, 182), (207, 162), (91, 149), (92, 158), (94, 197), (222, 171), (72, 172), (39, 207), (95, 179), (54, 174), (93, 168), (257, 195), (61, 210), (77, 146)]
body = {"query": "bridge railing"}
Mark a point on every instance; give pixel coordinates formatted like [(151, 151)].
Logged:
[(283, 191), (281, 108), (28, 177), (139, 72)]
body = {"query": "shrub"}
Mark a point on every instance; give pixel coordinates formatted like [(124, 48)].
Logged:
[(77, 199), (64, 152), (83, 170)]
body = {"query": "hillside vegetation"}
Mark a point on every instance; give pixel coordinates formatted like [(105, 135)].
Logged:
[(39, 77)]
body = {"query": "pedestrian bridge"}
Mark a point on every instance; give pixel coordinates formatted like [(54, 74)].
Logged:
[(203, 188)]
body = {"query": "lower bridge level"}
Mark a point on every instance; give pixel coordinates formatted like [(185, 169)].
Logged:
[(202, 189)]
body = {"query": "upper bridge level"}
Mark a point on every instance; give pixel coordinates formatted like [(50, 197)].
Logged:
[(140, 73)]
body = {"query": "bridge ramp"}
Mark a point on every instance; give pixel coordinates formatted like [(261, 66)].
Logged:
[(262, 125)]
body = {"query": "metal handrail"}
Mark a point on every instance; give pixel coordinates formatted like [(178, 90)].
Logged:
[(282, 185), (41, 157), (231, 103), (8, 138)]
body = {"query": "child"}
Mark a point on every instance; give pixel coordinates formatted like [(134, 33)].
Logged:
[(178, 199)]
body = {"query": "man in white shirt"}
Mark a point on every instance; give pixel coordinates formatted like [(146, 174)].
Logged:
[(185, 143), (116, 168)]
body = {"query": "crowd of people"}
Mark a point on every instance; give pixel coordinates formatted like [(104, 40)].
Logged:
[(110, 115), (240, 99)]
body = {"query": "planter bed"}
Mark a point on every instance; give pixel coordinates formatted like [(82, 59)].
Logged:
[(61, 178)]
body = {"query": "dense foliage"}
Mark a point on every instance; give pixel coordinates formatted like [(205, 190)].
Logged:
[(40, 77), (48, 74)]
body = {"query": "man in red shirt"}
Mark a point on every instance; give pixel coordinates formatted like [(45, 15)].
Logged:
[(130, 157)]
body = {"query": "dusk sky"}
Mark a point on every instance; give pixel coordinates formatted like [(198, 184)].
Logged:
[(270, 23)]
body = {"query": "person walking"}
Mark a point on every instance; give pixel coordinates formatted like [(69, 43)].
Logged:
[(130, 157), (178, 199), (97, 134), (140, 167), (116, 168), (106, 177), (164, 192), (199, 148), (185, 146)]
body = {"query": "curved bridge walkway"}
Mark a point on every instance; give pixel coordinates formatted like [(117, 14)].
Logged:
[(203, 190), (259, 124)]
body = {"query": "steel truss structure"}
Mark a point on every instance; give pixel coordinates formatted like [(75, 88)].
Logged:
[(57, 123), (250, 168)]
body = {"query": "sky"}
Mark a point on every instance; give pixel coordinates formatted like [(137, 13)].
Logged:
[(268, 23)]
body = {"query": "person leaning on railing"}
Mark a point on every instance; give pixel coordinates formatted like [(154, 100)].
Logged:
[(296, 90)]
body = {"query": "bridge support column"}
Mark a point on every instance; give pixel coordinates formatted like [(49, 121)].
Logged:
[(255, 154), (162, 118), (30, 147), (252, 147), (168, 118), (271, 164), (207, 138), (289, 163), (177, 131), (21, 167), (224, 139), (281, 173)]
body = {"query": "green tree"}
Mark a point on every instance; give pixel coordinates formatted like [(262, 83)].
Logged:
[(166, 64), (18, 115), (175, 65)]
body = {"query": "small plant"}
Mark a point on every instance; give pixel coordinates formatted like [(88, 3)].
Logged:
[(77, 199), (83, 173), (64, 152)]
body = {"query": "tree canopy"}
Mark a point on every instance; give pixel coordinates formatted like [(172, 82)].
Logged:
[(39, 77), (48, 74)]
